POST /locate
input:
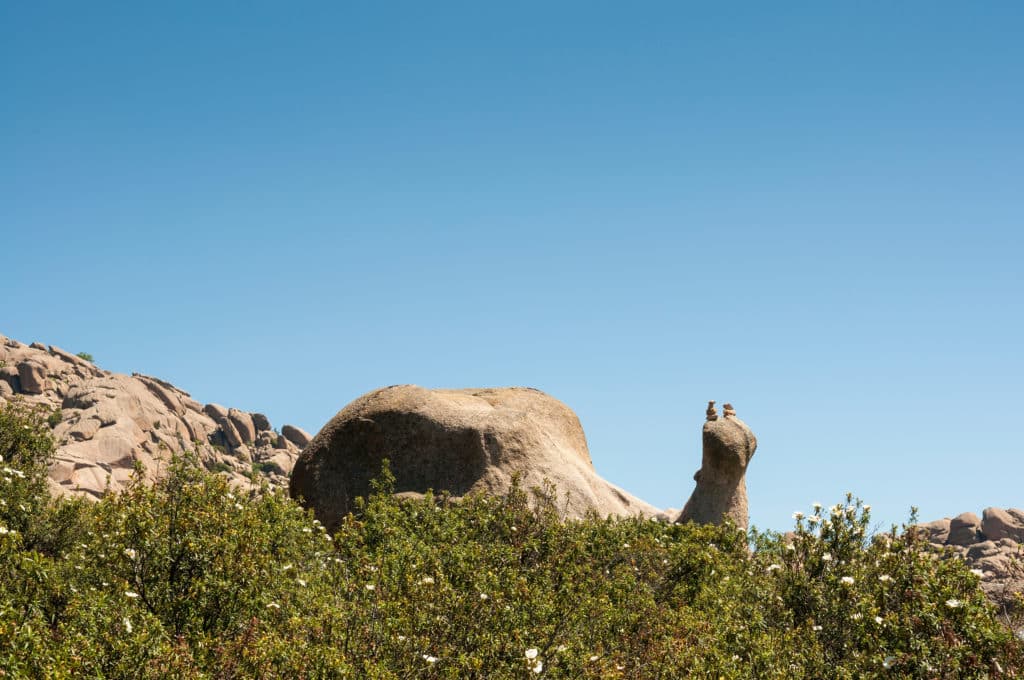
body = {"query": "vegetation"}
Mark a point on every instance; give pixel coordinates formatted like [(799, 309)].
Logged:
[(189, 578), (86, 356)]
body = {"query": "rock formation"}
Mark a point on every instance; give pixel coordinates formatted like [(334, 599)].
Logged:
[(993, 545), (104, 422), (721, 487), (460, 441)]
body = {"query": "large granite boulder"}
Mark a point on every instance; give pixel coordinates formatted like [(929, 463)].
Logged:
[(460, 441), (721, 491)]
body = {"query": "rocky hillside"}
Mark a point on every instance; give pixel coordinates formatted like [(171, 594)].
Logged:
[(105, 422), (992, 544)]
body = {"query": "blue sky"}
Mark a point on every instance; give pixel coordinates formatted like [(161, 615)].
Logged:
[(813, 210)]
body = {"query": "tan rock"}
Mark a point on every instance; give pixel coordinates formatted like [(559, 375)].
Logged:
[(997, 523), (935, 532), (234, 439), (243, 424), (721, 490), (283, 462), (964, 529), (32, 377), (216, 411), (260, 422), (983, 549), (296, 435), (461, 441)]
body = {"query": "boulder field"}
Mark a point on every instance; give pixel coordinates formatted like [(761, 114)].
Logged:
[(104, 422), (992, 544)]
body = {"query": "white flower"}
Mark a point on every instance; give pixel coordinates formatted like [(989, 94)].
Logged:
[(401, 638), (286, 567), (130, 553), (815, 627), (370, 586), (300, 582), (538, 667), (625, 545), (561, 648), (273, 605), (798, 515), (816, 505), (878, 620), (847, 580), (427, 580), (867, 508), (307, 530), (856, 616), (130, 594), (4, 530), (977, 572), (827, 557), (429, 659), (889, 662), (595, 657), (813, 519), (531, 653), (953, 603), (127, 624), (238, 506), (884, 577), (483, 596)]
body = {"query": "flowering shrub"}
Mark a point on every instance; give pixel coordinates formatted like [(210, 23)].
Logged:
[(190, 578)]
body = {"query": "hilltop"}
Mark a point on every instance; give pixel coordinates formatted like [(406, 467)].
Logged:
[(105, 423)]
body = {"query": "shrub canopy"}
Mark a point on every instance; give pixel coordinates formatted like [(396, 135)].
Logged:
[(191, 578)]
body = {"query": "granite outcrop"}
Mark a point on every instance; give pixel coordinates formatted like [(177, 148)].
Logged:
[(105, 423)]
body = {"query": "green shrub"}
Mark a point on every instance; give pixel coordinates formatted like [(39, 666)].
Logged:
[(191, 578), (86, 356)]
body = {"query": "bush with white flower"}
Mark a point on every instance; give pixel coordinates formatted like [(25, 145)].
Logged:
[(188, 578)]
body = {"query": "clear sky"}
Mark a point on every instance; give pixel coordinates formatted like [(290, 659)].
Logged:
[(812, 210)]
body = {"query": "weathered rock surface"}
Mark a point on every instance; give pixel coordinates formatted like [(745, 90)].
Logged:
[(964, 529), (104, 422), (997, 523), (721, 484), (296, 435), (992, 545), (461, 441)]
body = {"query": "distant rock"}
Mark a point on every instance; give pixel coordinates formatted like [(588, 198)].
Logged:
[(108, 421), (461, 441), (937, 531), (32, 376), (296, 435), (964, 529), (997, 523), (990, 545)]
